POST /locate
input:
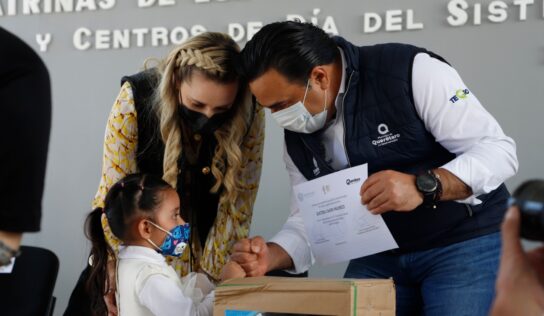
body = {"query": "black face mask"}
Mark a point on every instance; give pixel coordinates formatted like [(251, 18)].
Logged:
[(200, 123)]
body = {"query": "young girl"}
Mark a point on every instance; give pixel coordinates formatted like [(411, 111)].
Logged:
[(143, 212)]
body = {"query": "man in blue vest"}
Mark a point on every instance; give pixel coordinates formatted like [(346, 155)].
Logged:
[(437, 161)]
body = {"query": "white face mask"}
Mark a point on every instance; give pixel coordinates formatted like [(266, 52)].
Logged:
[(296, 118)]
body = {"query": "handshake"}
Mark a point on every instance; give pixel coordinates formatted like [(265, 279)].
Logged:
[(252, 256)]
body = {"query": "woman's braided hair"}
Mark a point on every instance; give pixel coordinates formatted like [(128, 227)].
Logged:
[(215, 55)]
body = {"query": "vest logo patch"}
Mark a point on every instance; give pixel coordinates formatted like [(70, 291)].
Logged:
[(316, 170), (383, 129), (460, 94), (385, 137)]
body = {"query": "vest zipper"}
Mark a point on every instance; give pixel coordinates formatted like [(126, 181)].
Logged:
[(469, 210), (343, 117)]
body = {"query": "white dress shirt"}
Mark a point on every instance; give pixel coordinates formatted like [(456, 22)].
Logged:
[(147, 285), (485, 156)]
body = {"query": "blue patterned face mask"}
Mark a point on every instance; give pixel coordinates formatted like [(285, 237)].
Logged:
[(176, 240)]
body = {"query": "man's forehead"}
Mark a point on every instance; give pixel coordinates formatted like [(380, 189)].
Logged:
[(272, 87), (271, 76)]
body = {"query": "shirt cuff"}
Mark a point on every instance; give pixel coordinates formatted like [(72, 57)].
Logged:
[(475, 175), (297, 248)]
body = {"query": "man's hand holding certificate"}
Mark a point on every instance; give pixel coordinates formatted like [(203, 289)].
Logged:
[(338, 226)]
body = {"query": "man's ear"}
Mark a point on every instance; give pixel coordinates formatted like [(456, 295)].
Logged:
[(144, 228), (320, 77)]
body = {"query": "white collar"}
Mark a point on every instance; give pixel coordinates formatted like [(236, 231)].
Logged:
[(344, 74), (140, 252), (341, 90)]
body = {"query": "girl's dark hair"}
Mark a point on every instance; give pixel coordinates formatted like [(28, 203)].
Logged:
[(291, 48), (136, 194)]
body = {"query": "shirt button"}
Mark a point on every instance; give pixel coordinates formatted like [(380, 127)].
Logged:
[(206, 170), (197, 137)]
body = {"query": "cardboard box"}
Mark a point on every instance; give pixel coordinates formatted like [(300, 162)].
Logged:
[(280, 296)]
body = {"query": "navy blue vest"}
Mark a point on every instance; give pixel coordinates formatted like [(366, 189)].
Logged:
[(383, 129)]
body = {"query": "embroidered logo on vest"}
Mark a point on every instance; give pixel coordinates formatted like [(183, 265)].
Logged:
[(383, 129), (386, 137), (316, 170)]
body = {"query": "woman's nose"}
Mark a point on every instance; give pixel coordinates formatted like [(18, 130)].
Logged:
[(209, 113)]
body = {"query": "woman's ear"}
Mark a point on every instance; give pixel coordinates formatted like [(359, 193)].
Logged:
[(144, 228)]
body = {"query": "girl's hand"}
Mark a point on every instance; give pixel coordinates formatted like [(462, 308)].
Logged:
[(253, 255), (232, 270)]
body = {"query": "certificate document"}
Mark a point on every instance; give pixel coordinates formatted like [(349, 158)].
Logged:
[(338, 226)]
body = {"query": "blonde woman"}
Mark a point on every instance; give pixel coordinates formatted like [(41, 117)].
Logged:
[(191, 120)]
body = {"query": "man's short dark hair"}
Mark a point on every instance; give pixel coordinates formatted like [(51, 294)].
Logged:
[(291, 48)]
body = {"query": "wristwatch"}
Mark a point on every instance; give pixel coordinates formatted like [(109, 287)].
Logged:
[(6, 253), (428, 183)]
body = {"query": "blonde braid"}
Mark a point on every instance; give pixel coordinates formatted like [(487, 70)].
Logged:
[(194, 57)]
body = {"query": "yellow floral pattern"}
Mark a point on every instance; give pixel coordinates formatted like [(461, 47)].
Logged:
[(233, 218)]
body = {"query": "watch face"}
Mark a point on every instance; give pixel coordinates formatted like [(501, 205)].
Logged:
[(426, 183)]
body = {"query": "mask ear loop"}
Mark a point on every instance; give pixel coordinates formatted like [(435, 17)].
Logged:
[(325, 106), (154, 245), (306, 92), (164, 230), (160, 228)]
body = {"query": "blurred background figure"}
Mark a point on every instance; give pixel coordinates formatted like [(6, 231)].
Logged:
[(520, 284), (25, 122)]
